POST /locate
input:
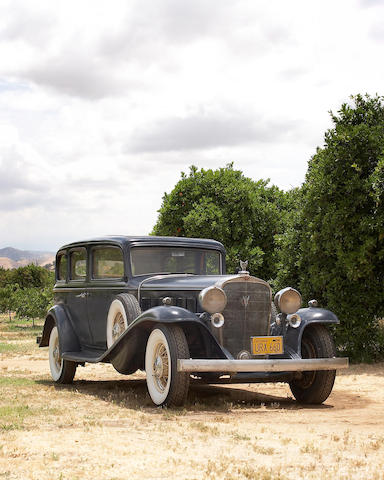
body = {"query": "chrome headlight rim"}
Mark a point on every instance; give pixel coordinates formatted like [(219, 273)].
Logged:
[(281, 299), (213, 299)]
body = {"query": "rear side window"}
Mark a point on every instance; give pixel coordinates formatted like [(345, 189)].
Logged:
[(107, 262), (78, 259), (61, 266)]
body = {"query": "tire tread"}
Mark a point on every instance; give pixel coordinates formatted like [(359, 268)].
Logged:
[(324, 380)]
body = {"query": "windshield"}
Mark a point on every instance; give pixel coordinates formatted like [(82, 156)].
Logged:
[(152, 260)]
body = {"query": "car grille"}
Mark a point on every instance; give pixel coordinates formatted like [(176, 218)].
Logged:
[(247, 314)]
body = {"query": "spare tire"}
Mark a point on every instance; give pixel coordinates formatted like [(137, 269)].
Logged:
[(124, 309)]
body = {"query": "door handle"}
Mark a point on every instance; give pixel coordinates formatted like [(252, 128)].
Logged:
[(82, 295)]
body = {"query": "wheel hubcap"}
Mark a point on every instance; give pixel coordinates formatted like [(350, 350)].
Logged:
[(160, 367), (118, 327), (56, 356)]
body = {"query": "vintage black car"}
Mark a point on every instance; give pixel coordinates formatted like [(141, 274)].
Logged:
[(166, 305)]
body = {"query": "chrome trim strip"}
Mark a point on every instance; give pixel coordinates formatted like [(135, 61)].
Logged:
[(284, 365), (83, 287)]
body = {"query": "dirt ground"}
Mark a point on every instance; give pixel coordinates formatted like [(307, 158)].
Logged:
[(104, 426)]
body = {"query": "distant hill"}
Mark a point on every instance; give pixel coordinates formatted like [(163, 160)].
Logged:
[(13, 258)]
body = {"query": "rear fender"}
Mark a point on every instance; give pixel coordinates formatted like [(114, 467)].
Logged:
[(309, 316), (68, 341)]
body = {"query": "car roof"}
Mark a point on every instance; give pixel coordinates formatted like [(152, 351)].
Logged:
[(124, 240)]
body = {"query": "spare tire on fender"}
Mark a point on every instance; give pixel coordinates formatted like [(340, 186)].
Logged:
[(124, 309)]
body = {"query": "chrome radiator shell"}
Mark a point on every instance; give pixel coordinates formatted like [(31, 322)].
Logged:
[(247, 314)]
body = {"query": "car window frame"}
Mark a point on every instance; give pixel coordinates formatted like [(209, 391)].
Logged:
[(61, 253), (221, 265), (77, 249), (106, 279)]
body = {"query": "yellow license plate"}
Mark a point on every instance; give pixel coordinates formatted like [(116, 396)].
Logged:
[(267, 345)]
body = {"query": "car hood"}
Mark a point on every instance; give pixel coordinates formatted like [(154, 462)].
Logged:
[(181, 282)]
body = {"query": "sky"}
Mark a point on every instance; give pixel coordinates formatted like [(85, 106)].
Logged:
[(104, 103)]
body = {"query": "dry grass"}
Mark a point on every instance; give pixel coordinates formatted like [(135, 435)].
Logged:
[(104, 426)]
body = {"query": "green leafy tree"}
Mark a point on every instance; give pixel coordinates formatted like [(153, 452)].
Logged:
[(337, 250), (31, 276), (225, 205), (32, 302), (7, 299), (288, 242), (26, 291)]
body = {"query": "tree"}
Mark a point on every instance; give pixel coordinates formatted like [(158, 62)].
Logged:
[(32, 302), (31, 276), (337, 250), (26, 291), (7, 299), (288, 242), (225, 205)]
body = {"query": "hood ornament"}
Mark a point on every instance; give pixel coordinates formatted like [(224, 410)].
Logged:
[(243, 267)]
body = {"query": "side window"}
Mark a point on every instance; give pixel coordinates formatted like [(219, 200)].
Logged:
[(78, 259), (107, 262), (212, 263), (61, 266)]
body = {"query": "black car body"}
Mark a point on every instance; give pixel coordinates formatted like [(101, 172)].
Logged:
[(166, 305)]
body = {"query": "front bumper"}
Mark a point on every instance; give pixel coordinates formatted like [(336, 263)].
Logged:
[(229, 366)]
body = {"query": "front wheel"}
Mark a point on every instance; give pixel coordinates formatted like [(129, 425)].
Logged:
[(166, 386), (62, 371), (314, 387)]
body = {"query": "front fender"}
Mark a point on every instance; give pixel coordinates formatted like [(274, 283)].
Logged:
[(309, 316), (144, 323), (68, 341)]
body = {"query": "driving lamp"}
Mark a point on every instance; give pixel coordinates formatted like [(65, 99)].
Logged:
[(217, 320), (294, 320)]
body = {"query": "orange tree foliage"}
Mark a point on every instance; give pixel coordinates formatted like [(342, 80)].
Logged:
[(223, 204)]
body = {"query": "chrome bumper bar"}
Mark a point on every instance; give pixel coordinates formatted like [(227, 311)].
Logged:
[(224, 366)]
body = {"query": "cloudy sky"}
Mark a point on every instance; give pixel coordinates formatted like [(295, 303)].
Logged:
[(104, 103)]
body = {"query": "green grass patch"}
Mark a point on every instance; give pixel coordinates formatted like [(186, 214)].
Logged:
[(16, 381), (26, 347), (12, 417), (7, 347), (21, 328)]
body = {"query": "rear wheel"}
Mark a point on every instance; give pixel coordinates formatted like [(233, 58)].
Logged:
[(62, 371), (315, 386), (166, 386)]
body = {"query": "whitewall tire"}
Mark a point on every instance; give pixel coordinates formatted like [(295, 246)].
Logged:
[(62, 371), (166, 386), (117, 321)]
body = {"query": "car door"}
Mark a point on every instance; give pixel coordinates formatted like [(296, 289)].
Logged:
[(106, 281), (78, 293)]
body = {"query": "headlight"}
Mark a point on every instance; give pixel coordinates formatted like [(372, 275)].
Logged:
[(213, 299), (288, 300)]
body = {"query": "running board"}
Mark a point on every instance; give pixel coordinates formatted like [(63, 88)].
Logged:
[(286, 365)]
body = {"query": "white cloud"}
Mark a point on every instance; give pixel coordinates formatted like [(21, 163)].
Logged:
[(102, 104)]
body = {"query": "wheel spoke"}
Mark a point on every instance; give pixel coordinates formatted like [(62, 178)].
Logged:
[(160, 366)]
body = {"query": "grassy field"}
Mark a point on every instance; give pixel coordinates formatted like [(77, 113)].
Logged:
[(104, 425)]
